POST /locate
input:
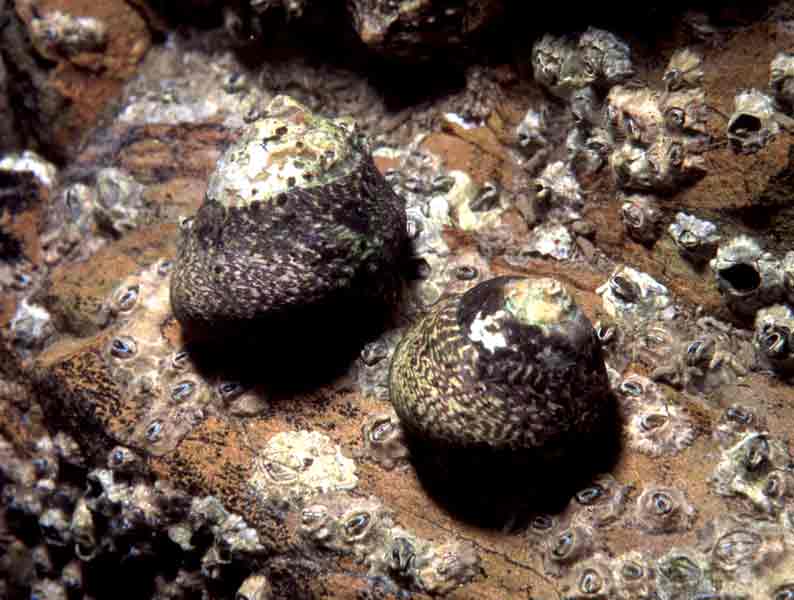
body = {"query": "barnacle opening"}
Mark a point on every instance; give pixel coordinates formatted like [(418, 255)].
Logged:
[(743, 278), (745, 124)]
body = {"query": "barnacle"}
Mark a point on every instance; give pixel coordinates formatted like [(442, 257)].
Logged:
[(592, 578), (661, 509), (753, 121), (384, 440), (774, 337), (295, 466), (567, 547), (747, 277), (695, 238), (641, 217), (297, 201), (781, 78), (513, 362), (630, 294), (255, 587), (685, 70), (654, 425), (684, 574), (756, 468), (744, 548), (601, 503)]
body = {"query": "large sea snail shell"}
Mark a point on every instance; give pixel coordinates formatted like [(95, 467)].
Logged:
[(512, 363), (295, 215)]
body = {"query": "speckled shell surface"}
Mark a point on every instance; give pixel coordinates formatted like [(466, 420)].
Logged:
[(516, 379), (240, 261)]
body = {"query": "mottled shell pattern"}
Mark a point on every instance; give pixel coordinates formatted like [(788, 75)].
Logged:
[(512, 363), (296, 214)]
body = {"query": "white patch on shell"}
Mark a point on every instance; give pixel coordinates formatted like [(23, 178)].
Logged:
[(486, 330)]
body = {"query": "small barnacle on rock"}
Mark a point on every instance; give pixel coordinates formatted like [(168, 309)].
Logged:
[(558, 195), (634, 577), (683, 574), (556, 65), (58, 33), (743, 548), (592, 579), (513, 362), (756, 468), (781, 79), (747, 277), (606, 56), (255, 587), (297, 465), (357, 526), (123, 460), (632, 294), (601, 503), (588, 150), (384, 441), (296, 217), (654, 426), (774, 338), (119, 202), (661, 509), (444, 567), (642, 218), (566, 548), (30, 327), (532, 130), (753, 121), (735, 421), (695, 238), (684, 71)]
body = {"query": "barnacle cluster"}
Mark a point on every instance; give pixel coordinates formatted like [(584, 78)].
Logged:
[(748, 277), (364, 528), (79, 521)]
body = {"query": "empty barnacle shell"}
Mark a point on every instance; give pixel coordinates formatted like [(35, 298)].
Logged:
[(685, 70), (781, 78), (774, 337), (747, 277), (695, 238), (743, 548), (513, 362), (295, 216), (661, 509), (753, 121), (642, 218)]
